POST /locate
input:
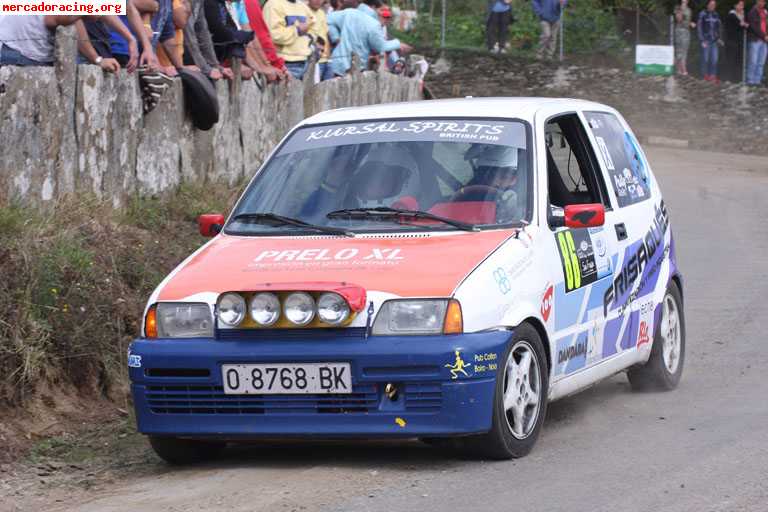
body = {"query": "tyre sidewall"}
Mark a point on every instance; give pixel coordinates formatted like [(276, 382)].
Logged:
[(669, 380)]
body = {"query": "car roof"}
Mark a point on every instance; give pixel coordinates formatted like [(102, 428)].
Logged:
[(503, 108)]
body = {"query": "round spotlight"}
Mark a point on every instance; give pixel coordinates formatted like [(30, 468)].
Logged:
[(231, 309), (265, 309), (332, 308), (299, 308)]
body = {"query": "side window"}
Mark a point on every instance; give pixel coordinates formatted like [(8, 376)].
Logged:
[(621, 158), (572, 171)]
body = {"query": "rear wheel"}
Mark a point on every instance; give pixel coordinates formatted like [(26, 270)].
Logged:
[(176, 451), (520, 400), (665, 365)]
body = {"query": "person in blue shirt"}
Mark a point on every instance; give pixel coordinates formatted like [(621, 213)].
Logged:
[(358, 31), (549, 13), (709, 28), (497, 25)]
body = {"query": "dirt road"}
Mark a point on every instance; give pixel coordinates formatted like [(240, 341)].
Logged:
[(703, 447)]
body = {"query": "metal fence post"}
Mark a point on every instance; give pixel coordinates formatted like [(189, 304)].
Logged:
[(442, 25), (671, 30), (744, 57), (562, 34)]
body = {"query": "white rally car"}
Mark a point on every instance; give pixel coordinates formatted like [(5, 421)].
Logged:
[(439, 269)]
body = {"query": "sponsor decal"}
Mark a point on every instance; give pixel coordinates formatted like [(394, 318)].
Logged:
[(502, 281), (486, 362), (642, 336), (634, 266), (572, 351), (546, 302), (582, 265), (320, 258), (458, 367), (400, 422), (134, 361), (606, 154)]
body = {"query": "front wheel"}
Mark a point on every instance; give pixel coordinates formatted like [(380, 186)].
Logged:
[(665, 365), (520, 399), (176, 451)]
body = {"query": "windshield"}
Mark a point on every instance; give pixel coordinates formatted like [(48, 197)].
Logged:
[(476, 172)]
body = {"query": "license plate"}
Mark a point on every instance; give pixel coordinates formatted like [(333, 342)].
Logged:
[(283, 379)]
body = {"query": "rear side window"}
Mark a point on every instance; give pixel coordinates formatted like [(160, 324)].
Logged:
[(621, 158)]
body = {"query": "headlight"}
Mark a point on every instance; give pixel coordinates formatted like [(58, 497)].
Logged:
[(411, 317), (332, 308), (231, 309), (178, 320), (299, 308), (265, 309)]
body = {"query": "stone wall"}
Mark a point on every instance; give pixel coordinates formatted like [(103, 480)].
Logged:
[(75, 129)]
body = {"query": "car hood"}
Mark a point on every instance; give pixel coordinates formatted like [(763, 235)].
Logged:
[(406, 265)]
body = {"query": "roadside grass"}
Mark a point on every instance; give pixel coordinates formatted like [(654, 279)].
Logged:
[(75, 280)]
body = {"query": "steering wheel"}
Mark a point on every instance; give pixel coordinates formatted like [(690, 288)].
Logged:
[(475, 193)]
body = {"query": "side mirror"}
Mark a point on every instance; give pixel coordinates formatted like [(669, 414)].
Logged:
[(584, 215), (210, 224)]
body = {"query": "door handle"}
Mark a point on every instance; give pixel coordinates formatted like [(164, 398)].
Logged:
[(621, 231)]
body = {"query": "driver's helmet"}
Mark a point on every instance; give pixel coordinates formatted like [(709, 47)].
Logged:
[(495, 166), (388, 174)]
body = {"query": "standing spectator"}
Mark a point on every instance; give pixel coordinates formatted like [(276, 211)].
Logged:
[(549, 13), (259, 27), (319, 31), (180, 12), (709, 37), (734, 51), (758, 42), (289, 25), (497, 23), (28, 40), (683, 25)]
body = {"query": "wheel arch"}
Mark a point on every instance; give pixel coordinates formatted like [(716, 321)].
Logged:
[(542, 331)]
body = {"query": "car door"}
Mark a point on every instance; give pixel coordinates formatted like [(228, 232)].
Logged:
[(586, 263), (635, 228)]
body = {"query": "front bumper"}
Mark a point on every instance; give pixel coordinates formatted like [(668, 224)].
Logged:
[(177, 386)]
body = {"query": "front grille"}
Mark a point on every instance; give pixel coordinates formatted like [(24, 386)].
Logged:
[(420, 397), (212, 400)]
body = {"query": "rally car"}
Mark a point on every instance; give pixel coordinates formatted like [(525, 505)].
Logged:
[(437, 270)]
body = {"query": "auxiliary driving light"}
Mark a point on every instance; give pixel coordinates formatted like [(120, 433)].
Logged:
[(265, 309), (299, 308), (231, 309), (332, 308)]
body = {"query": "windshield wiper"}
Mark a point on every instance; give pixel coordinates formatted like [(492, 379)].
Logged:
[(386, 213), (278, 220)]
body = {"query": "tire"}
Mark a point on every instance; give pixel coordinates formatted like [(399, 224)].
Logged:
[(179, 452), (664, 368), (509, 437)]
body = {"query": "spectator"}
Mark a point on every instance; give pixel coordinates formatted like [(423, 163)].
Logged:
[(180, 12), (758, 42), (709, 37), (198, 44), (683, 26), (93, 39), (734, 51), (160, 29), (549, 13), (28, 40), (497, 22), (319, 31), (395, 64), (289, 26), (259, 27), (359, 32)]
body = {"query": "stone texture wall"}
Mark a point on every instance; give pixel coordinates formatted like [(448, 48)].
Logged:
[(75, 129)]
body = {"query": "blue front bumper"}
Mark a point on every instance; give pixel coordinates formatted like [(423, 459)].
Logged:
[(177, 386)]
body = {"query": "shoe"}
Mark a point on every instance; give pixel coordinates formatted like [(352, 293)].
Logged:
[(715, 80)]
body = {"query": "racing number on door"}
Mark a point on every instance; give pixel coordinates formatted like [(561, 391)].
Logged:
[(570, 259)]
